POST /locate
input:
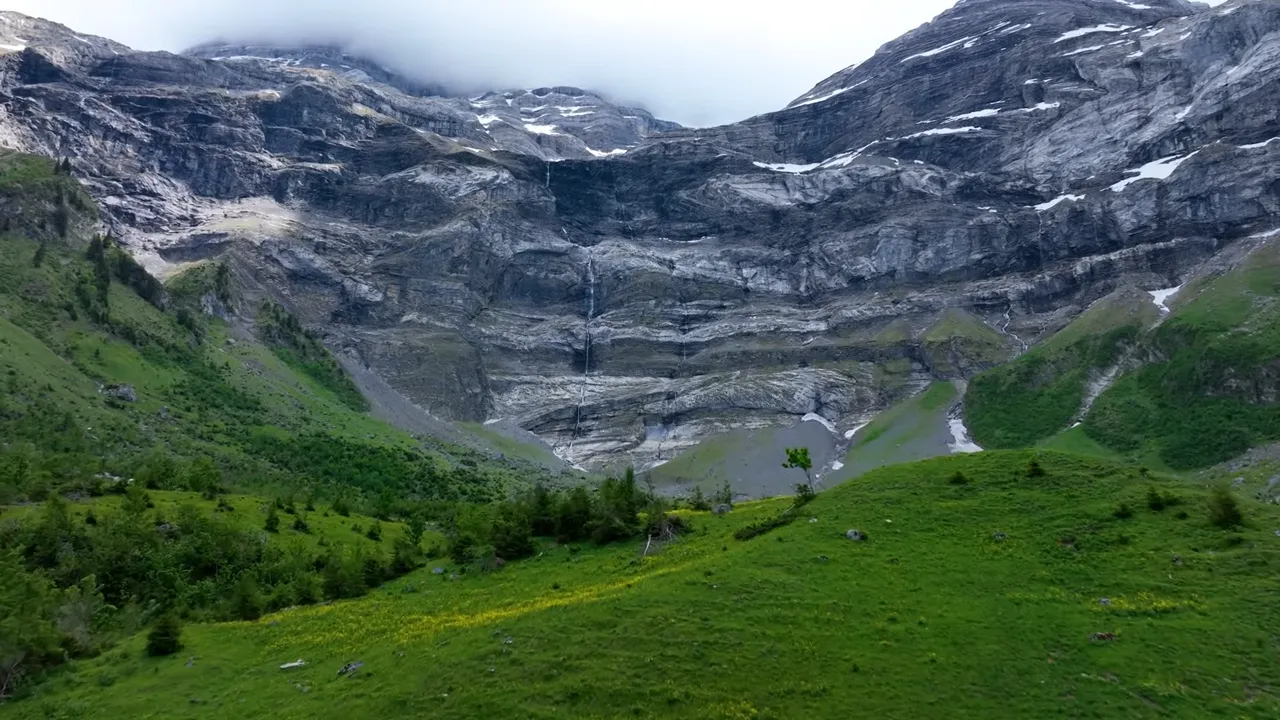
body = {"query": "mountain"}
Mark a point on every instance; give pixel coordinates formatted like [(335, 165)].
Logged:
[(623, 288)]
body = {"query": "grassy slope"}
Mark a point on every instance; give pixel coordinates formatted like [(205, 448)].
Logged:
[(249, 514), (932, 617), (1209, 392), (959, 341), (912, 430), (1036, 396), (53, 354)]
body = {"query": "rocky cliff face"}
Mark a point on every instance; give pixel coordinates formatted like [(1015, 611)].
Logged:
[(623, 287)]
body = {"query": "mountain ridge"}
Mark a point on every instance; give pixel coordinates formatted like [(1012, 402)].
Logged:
[(625, 307)]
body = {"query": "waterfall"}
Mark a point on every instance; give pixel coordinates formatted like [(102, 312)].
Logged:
[(1004, 329), (547, 183), (586, 347)]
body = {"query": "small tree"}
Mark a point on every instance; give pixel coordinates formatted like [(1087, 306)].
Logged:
[(698, 501), (247, 602), (342, 507), (415, 528), (798, 458), (166, 637), (724, 496), (374, 532), (38, 259), (1224, 511), (272, 524), (1034, 469), (804, 495)]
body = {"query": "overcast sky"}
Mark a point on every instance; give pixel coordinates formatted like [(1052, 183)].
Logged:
[(699, 62)]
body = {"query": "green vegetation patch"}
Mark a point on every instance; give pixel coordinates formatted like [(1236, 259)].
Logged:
[(1210, 394), (1034, 397), (1003, 583)]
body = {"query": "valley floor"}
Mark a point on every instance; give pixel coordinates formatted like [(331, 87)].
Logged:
[(991, 595)]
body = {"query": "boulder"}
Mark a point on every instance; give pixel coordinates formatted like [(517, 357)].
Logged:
[(121, 392), (856, 535), (722, 509)]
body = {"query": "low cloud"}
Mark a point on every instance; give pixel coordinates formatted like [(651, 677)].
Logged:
[(699, 62)]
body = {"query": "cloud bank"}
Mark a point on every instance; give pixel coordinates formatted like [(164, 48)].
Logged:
[(699, 62)]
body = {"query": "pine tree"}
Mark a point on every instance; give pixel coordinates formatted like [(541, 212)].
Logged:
[(272, 525), (166, 637)]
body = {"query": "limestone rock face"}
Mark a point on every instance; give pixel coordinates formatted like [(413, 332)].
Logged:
[(623, 287)]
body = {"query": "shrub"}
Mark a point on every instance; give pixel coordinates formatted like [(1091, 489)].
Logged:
[(958, 478), (761, 527), (166, 637), (1224, 511), (374, 532), (1034, 469), (272, 523), (341, 507), (698, 501), (300, 525), (1124, 512), (804, 495)]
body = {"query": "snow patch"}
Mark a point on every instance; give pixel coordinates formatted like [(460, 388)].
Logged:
[(611, 153), (961, 442), (825, 97), (940, 50), (1256, 146), (1134, 5), (1081, 32), (1058, 201), (1153, 33), (848, 434), (1158, 170), (944, 131), (1161, 298), (989, 112), (487, 120), (787, 167), (815, 417), (541, 129), (837, 465), (1083, 50)]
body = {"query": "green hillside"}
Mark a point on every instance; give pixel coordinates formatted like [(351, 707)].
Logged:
[(974, 598), (1210, 391), (1190, 390), (1036, 396)]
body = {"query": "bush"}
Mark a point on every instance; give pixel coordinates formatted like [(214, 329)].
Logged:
[(374, 532), (1158, 501), (804, 495), (763, 526), (1224, 510), (958, 478), (1124, 512), (272, 523), (698, 501), (166, 637), (300, 525), (1034, 469)]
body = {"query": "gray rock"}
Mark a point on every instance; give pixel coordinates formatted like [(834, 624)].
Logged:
[(350, 668), (856, 535), (722, 509), (1105, 602), (627, 306), (121, 392), (999, 536), (437, 571)]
